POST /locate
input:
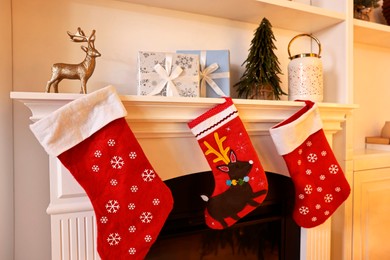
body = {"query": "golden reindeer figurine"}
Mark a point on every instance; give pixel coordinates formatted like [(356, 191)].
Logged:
[(81, 71)]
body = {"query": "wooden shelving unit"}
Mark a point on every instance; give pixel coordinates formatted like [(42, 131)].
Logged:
[(284, 14)]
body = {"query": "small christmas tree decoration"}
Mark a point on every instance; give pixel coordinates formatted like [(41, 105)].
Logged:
[(260, 79)]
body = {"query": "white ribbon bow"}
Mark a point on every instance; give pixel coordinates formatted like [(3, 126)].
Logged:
[(207, 75), (167, 77)]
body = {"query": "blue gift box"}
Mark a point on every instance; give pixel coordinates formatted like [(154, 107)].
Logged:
[(214, 72)]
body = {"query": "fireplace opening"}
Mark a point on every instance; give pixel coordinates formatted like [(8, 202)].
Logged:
[(268, 232)]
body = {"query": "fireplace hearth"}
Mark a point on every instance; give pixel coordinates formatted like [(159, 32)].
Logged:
[(160, 125), (268, 232)]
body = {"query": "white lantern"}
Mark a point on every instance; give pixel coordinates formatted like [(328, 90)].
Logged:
[(305, 79)]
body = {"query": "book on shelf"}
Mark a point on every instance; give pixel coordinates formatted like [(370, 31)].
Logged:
[(377, 140)]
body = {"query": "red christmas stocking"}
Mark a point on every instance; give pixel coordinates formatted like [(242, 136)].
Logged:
[(320, 184), (92, 139), (240, 181)]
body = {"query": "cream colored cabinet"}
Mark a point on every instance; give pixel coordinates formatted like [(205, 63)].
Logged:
[(371, 205)]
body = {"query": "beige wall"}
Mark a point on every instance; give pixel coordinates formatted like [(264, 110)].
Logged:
[(371, 91), (6, 150)]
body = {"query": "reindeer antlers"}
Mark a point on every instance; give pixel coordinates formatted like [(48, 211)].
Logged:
[(222, 155), (79, 36)]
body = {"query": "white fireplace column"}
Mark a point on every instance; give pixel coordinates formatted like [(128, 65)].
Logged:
[(160, 125)]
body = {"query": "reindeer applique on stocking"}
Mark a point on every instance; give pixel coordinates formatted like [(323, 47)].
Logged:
[(240, 181), (320, 184), (92, 139)]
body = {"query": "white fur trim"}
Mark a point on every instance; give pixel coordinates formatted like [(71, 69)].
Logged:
[(214, 122), (78, 120), (287, 137)]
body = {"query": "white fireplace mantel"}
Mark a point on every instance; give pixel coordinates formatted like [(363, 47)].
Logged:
[(164, 119), (160, 125)]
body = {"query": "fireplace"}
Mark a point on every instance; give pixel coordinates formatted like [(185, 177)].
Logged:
[(268, 232), (160, 125)]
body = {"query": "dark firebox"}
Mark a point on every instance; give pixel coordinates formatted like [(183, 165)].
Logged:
[(267, 233)]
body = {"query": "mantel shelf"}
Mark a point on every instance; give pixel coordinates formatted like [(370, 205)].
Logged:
[(164, 110), (282, 14)]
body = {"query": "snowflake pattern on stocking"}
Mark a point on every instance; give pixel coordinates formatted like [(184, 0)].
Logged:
[(95, 168), (131, 206), (304, 210), (312, 158), (132, 229), (333, 169), (117, 161), (98, 154), (112, 206), (103, 220), (132, 155), (146, 217), (308, 189), (113, 239), (132, 251), (311, 191), (328, 198), (148, 175), (111, 142), (148, 238)]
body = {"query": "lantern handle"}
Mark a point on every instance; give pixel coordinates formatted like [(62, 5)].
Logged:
[(311, 54)]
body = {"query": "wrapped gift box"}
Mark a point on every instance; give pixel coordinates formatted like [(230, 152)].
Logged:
[(214, 72), (168, 74)]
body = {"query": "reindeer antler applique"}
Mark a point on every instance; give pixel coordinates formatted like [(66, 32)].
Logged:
[(240, 184), (222, 155)]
